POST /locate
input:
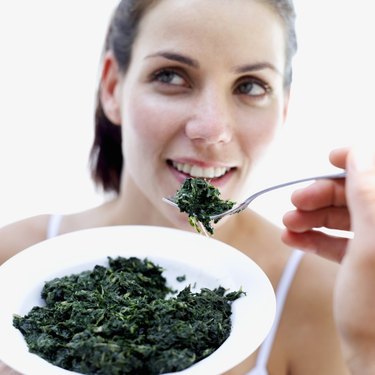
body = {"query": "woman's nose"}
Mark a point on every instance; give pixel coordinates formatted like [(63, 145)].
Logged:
[(211, 119)]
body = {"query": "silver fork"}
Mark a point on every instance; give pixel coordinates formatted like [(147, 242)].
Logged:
[(240, 207)]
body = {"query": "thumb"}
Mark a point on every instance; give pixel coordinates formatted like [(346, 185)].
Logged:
[(355, 288), (360, 191)]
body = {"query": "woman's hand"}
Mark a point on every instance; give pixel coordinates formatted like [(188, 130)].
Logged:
[(336, 205), (322, 204)]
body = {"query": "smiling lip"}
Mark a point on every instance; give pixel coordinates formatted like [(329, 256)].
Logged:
[(194, 170)]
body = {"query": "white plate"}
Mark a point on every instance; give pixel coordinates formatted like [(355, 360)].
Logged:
[(206, 262)]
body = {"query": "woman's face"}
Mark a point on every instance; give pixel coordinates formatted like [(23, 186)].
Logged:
[(203, 94)]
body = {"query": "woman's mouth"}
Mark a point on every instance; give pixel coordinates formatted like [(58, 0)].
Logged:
[(199, 172)]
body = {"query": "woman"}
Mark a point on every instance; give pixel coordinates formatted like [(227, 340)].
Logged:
[(198, 88)]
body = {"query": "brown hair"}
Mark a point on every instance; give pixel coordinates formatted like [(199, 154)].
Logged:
[(106, 158)]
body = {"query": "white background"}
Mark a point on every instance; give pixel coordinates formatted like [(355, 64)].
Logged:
[(50, 53)]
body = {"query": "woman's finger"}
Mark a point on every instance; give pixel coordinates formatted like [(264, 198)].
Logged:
[(322, 193), (332, 217), (338, 157), (325, 245)]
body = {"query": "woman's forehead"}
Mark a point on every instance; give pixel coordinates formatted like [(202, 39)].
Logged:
[(234, 29)]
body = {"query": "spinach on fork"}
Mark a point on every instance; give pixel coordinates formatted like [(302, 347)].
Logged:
[(200, 200)]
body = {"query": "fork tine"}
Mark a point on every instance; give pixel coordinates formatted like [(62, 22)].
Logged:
[(203, 229), (170, 201)]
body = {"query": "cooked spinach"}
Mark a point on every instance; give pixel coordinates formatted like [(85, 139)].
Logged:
[(124, 319), (199, 199)]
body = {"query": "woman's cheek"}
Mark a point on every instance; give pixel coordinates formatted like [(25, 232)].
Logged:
[(152, 118), (259, 134)]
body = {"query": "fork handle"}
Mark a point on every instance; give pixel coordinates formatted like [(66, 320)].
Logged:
[(246, 202), (334, 176)]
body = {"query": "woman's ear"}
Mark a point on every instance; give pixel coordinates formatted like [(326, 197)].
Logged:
[(286, 104), (110, 88)]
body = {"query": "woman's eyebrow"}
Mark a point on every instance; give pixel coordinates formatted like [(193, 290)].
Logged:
[(176, 57), (254, 67)]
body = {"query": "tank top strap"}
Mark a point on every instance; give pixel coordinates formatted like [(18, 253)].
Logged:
[(281, 295), (53, 227)]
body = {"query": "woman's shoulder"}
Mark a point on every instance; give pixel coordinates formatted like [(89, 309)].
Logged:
[(21, 234)]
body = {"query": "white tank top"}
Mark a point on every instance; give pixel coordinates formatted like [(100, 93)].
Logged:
[(53, 226), (281, 295)]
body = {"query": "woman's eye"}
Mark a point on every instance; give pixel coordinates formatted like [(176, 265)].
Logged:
[(169, 77), (253, 88)]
